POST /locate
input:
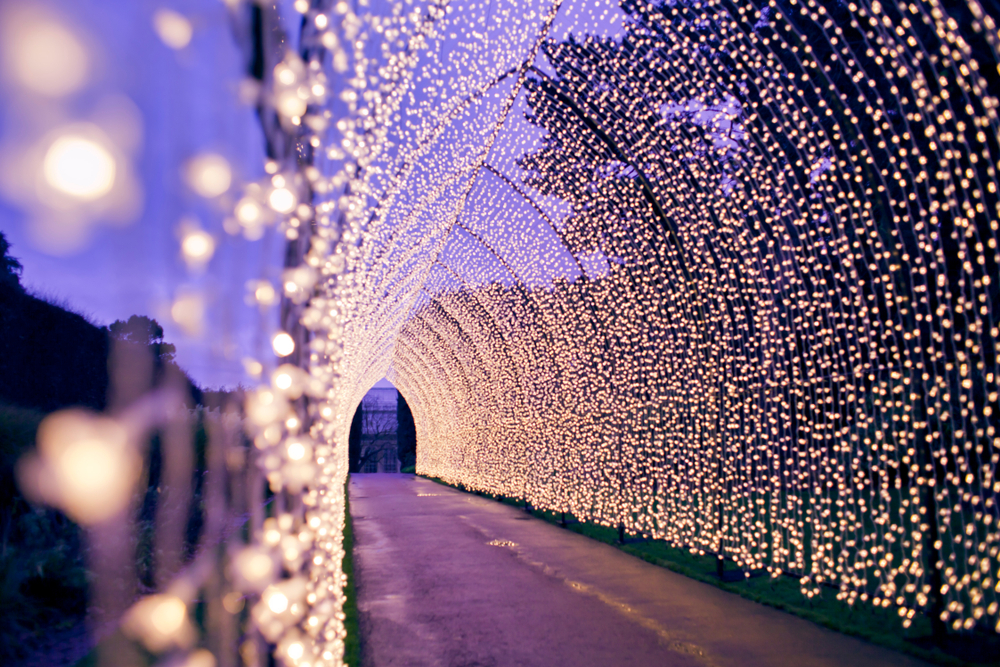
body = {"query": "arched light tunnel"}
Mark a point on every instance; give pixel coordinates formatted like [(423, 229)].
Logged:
[(727, 277)]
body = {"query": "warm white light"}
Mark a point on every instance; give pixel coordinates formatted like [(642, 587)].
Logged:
[(253, 367), (291, 105), (295, 650), (284, 74), (80, 167), (197, 246), (248, 212), (209, 175), (174, 29), (264, 293), (277, 602), (283, 344), (169, 614), (282, 200), (296, 451), (188, 311), (46, 57)]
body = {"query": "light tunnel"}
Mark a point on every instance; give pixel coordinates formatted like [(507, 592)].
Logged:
[(724, 274)]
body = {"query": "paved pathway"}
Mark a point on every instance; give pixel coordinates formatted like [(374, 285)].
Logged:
[(453, 580)]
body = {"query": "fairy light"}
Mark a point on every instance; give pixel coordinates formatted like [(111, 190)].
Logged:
[(209, 174), (197, 246), (44, 55), (283, 344), (173, 28), (732, 287), (282, 200), (80, 167)]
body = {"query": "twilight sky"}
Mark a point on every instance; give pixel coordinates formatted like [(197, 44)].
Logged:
[(177, 103)]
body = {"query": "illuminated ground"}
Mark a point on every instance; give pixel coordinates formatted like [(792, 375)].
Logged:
[(433, 590)]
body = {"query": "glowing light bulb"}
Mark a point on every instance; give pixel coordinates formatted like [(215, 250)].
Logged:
[(253, 367), (248, 212), (209, 175), (168, 614), (283, 344), (188, 311), (264, 293), (174, 29), (80, 167), (197, 247), (285, 74), (296, 451), (46, 57), (282, 200), (295, 650), (277, 602), (291, 105)]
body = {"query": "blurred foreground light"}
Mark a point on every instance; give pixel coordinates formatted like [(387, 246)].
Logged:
[(298, 448), (248, 212), (188, 311), (265, 407), (160, 622), (289, 379), (291, 105), (200, 658), (43, 56), (298, 282), (197, 246), (174, 29), (284, 74), (261, 293), (253, 367), (209, 175), (253, 569), (79, 167), (84, 466), (283, 344), (282, 200), (277, 602)]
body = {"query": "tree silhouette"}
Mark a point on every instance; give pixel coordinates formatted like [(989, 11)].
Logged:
[(144, 330), (10, 267)]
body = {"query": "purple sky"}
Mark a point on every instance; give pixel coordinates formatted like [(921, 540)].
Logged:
[(189, 103)]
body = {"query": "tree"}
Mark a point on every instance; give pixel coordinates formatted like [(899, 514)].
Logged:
[(373, 433), (406, 434), (10, 267), (144, 330)]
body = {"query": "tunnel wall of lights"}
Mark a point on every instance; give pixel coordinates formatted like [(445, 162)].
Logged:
[(726, 275)]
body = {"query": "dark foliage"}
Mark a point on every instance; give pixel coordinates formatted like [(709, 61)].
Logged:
[(354, 440), (406, 435), (49, 357)]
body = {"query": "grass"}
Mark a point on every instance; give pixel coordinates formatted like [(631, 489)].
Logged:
[(876, 625), (352, 643)]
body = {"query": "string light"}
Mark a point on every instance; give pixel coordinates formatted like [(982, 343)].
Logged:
[(726, 278), (79, 166)]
